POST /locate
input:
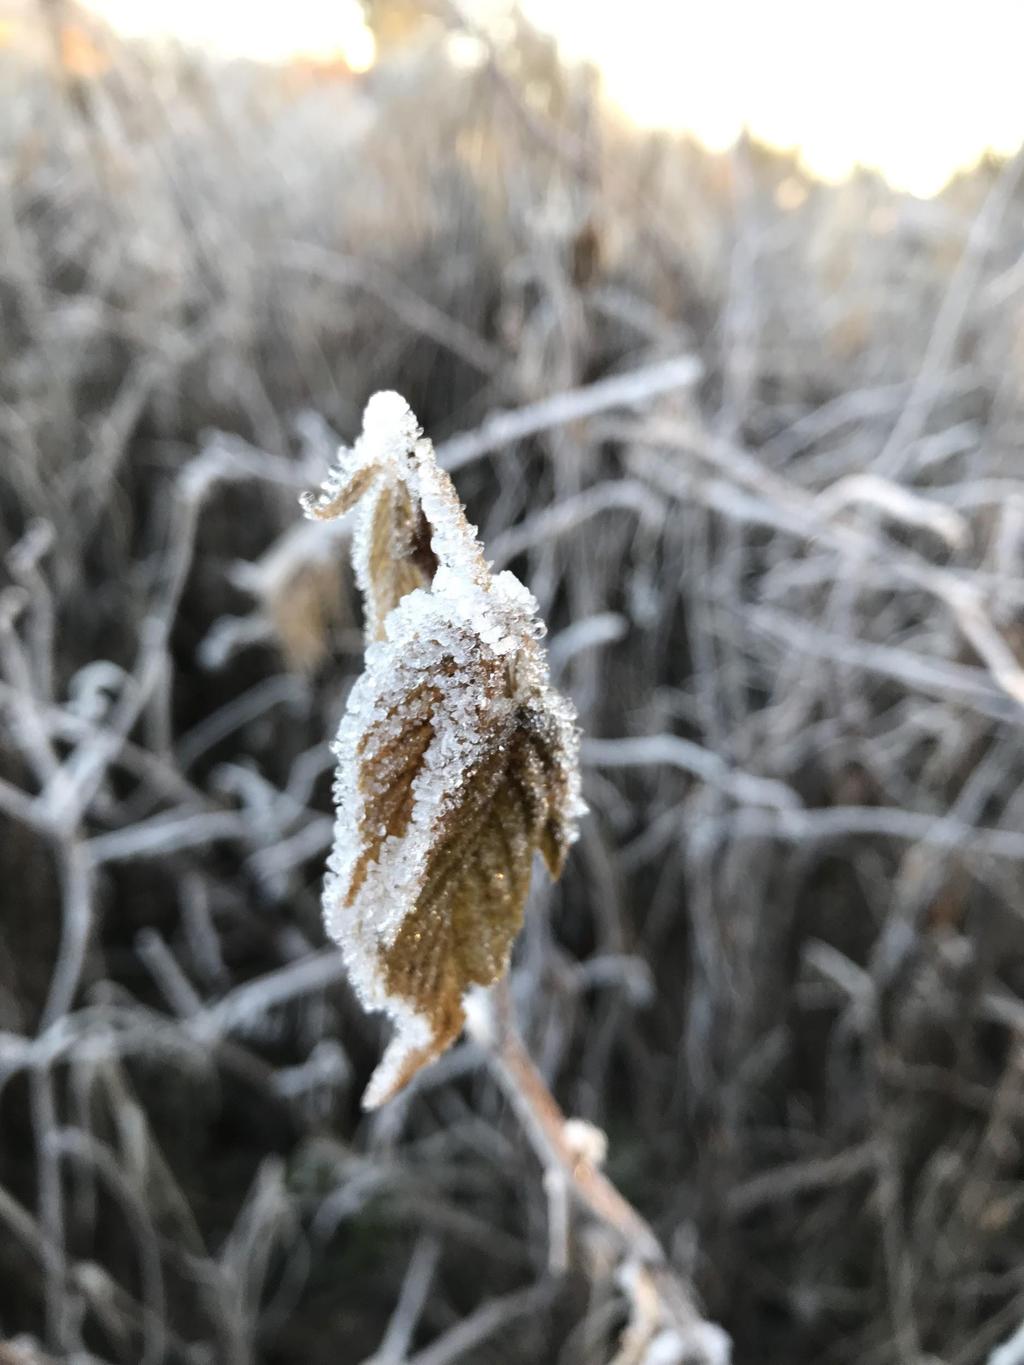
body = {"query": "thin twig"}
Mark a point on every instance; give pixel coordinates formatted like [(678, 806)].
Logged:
[(492, 1026)]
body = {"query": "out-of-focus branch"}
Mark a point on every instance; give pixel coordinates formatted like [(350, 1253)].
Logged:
[(570, 1152), (800, 512), (645, 751), (408, 306), (573, 405)]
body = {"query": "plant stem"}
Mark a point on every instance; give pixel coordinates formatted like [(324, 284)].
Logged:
[(644, 1269)]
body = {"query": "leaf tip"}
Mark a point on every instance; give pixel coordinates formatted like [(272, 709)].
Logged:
[(418, 1041)]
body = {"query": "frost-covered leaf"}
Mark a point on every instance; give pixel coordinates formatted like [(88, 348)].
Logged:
[(456, 762), (399, 558), (391, 551)]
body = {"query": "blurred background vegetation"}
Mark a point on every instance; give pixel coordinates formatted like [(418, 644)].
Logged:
[(785, 968)]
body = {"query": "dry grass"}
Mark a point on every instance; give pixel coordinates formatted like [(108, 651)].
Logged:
[(784, 969)]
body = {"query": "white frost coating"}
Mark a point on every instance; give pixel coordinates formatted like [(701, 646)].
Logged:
[(454, 638), (1011, 1352), (388, 421), (586, 1141), (702, 1341), (389, 433), (667, 1348), (383, 456), (452, 539)]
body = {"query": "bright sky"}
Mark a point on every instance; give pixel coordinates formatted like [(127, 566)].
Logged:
[(916, 88), (261, 30)]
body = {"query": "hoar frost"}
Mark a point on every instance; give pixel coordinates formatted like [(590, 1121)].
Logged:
[(456, 758)]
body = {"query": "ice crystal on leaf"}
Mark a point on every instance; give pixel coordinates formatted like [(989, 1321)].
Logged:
[(391, 551), (456, 759)]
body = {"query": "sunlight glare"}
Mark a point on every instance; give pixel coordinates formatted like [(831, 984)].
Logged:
[(913, 88), (916, 89), (317, 30)]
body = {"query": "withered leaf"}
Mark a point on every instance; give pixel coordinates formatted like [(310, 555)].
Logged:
[(338, 495), (399, 558), (456, 763), (460, 931), (391, 549)]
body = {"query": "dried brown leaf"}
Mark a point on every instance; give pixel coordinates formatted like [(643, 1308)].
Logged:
[(400, 558), (456, 759)]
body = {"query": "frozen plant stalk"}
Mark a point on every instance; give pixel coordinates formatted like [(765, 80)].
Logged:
[(456, 758)]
